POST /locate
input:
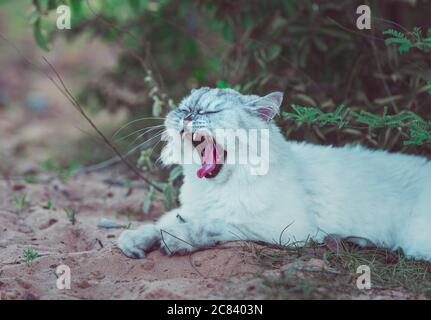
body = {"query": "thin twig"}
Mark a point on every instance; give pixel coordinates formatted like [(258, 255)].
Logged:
[(66, 92), (79, 108), (354, 31)]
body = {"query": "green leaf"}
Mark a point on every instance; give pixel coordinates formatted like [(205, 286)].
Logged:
[(394, 33), (320, 44), (170, 197), (76, 6), (247, 20), (404, 48), (425, 88), (52, 4), (40, 35), (48, 165), (214, 64), (148, 200), (273, 52), (226, 31), (135, 4), (417, 31), (396, 40), (34, 15), (222, 84), (175, 173), (30, 178)]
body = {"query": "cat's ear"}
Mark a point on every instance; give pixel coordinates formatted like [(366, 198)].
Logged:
[(267, 107)]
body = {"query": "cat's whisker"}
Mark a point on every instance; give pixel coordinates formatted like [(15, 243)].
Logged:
[(141, 135), (158, 160), (148, 131), (139, 130), (149, 139), (153, 147), (134, 121)]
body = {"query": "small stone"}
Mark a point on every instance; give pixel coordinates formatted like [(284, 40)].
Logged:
[(98, 275), (30, 296), (148, 265), (23, 284), (84, 284), (108, 224)]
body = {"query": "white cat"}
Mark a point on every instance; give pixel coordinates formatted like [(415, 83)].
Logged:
[(308, 191)]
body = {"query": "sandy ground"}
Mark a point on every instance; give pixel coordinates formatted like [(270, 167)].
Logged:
[(98, 268)]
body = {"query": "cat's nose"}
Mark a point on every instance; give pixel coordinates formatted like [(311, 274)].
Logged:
[(188, 118)]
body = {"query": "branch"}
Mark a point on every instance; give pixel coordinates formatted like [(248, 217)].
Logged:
[(66, 92)]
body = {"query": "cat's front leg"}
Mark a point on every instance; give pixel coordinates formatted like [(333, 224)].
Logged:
[(182, 233), (197, 233), (178, 233), (136, 243)]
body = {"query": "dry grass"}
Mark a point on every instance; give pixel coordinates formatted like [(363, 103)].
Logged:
[(320, 271)]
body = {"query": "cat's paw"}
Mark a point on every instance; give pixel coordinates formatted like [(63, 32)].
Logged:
[(135, 243)]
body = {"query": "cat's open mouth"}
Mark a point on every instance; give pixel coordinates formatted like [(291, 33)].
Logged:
[(212, 156)]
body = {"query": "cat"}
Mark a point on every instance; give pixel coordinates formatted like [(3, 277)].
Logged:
[(308, 191)]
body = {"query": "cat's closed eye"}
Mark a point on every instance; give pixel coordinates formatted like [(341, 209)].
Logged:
[(201, 112)]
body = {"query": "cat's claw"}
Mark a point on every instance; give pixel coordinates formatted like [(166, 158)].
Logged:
[(135, 243)]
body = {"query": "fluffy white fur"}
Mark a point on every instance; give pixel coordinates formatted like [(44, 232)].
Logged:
[(312, 190)]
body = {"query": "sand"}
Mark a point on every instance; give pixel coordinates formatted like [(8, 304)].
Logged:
[(98, 268)]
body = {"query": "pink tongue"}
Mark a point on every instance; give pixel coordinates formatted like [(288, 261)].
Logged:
[(208, 161)]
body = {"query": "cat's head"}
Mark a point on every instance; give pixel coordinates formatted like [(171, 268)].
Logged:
[(201, 118)]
